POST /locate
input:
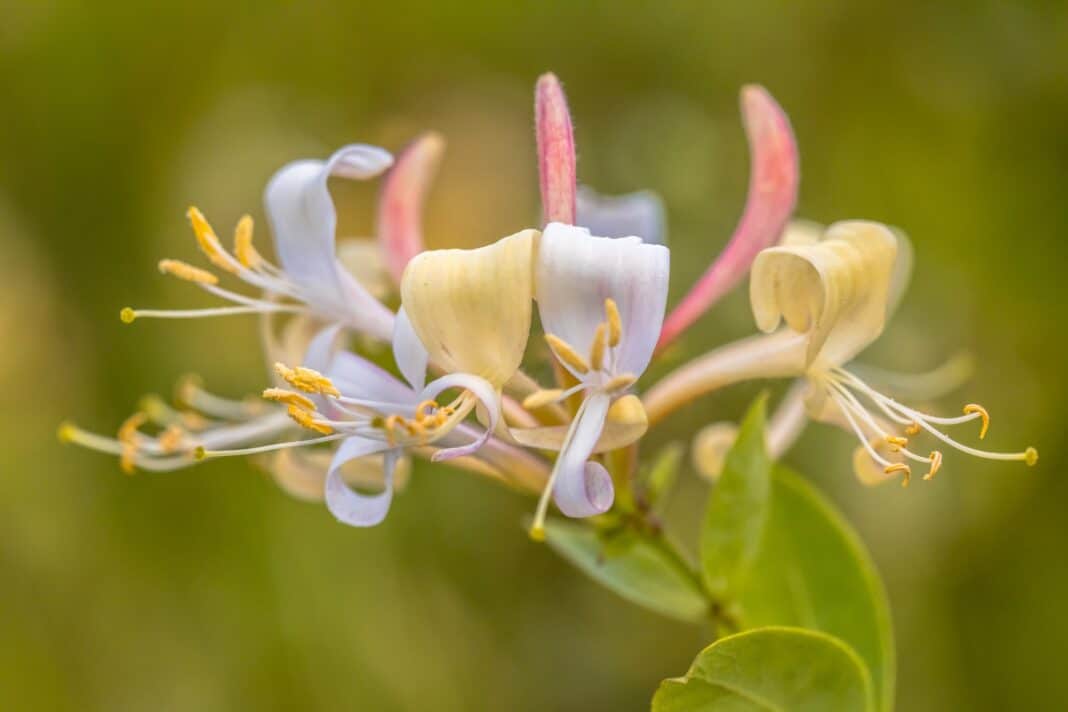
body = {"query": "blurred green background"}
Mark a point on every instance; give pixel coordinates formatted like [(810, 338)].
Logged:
[(209, 589)]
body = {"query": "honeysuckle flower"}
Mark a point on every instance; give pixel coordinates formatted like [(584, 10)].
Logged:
[(310, 278), (834, 293), (601, 302), (773, 186)]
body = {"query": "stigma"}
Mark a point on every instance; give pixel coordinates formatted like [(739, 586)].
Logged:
[(882, 423)]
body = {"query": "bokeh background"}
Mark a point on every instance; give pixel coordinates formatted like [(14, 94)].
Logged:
[(209, 589)]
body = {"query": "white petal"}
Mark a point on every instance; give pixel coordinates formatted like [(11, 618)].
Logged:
[(583, 488), (347, 505), (483, 391), (408, 351), (640, 213), (304, 221), (576, 272)]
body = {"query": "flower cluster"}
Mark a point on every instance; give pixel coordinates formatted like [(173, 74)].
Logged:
[(336, 424)]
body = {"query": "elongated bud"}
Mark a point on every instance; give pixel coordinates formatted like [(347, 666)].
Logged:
[(400, 205), (773, 184), (556, 151)]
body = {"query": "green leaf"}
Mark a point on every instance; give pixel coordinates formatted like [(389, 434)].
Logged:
[(811, 570), (734, 519), (770, 669), (642, 570)]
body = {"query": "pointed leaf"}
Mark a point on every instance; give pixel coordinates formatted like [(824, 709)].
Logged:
[(813, 571), (734, 520), (643, 571), (775, 669)]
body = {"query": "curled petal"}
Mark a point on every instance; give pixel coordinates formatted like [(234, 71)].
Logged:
[(471, 308), (576, 272), (304, 221), (640, 213), (349, 506), (400, 206), (301, 472), (625, 424), (556, 151), (486, 394), (835, 291), (773, 184), (408, 351), (582, 488)]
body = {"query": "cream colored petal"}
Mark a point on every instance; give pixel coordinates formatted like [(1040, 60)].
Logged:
[(835, 291), (626, 423), (472, 308)]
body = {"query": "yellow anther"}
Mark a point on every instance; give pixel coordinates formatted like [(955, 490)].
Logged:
[(896, 443), (128, 429), (936, 465), (307, 379), (900, 467), (565, 353), (597, 347), (305, 419), (976, 408), (127, 315), (618, 383), (424, 410), (208, 241), (615, 323), (127, 459), (171, 439), (1030, 456), (188, 272), (193, 420), (542, 398), (414, 428), (912, 429), (244, 251), (281, 395), (391, 425)]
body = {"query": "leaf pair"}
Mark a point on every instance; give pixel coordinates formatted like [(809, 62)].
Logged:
[(773, 553)]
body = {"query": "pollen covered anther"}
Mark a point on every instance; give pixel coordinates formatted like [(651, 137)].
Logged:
[(307, 379), (618, 383), (170, 440), (983, 414), (936, 464), (567, 354), (281, 395), (900, 467), (207, 240), (597, 348), (186, 271), (246, 254), (615, 323), (542, 398), (912, 428), (306, 419), (896, 442)]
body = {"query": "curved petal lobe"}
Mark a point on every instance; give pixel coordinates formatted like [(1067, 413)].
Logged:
[(349, 506), (582, 488)]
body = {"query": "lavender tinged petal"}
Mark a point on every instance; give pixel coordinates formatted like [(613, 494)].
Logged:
[(349, 506), (584, 488)]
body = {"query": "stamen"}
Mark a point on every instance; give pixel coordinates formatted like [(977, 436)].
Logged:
[(542, 398), (183, 270), (976, 408), (936, 464), (618, 383), (170, 440), (567, 354), (912, 428), (128, 315), (306, 419), (128, 429), (202, 454), (597, 347), (208, 241), (900, 467), (896, 442), (281, 395), (424, 410), (615, 323), (307, 379), (246, 254), (1030, 456)]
